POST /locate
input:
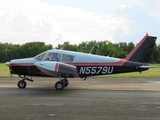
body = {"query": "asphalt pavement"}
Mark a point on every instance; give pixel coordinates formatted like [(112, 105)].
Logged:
[(96, 98)]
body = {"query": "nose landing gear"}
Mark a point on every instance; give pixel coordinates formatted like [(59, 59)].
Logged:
[(22, 83)]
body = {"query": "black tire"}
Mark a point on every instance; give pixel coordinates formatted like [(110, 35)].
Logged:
[(65, 82), (21, 84), (59, 85)]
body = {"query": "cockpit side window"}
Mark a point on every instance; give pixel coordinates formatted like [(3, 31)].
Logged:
[(40, 56), (67, 58), (53, 56)]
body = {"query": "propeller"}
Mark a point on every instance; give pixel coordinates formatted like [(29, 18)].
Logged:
[(8, 64)]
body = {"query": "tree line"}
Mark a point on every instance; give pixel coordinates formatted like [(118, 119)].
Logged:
[(106, 48), (14, 51)]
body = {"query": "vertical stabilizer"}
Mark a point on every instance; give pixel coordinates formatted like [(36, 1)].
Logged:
[(143, 50)]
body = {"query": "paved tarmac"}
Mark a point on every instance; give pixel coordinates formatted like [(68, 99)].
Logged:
[(96, 98)]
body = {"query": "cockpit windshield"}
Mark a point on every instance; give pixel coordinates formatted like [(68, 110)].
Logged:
[(40, 56)]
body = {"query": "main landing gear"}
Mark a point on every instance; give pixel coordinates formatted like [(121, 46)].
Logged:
[(61, 84), (22, 83)]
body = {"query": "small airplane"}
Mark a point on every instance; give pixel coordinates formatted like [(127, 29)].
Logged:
[(65, 64)]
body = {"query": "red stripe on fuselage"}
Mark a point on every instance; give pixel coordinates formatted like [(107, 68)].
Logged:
[(21, 64), (56, 67), (119, 63)]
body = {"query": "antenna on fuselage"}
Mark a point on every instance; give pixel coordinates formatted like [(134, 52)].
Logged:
[(63, 47), (110, 53), (92, 48)]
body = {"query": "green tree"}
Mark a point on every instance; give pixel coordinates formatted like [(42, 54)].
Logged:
[(67, 46)]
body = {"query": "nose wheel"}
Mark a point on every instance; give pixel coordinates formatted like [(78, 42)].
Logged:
[(22, 84)]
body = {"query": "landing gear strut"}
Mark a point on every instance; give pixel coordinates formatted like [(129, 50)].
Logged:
[(22, 83), (61, 84)]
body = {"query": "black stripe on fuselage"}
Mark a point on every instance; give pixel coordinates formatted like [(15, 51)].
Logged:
[(26, 70)]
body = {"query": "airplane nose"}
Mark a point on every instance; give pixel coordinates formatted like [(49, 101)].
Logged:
[(7, 63)]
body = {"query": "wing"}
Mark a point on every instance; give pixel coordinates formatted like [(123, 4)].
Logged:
[(51, 68)]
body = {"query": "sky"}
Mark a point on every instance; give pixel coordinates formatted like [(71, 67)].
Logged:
[(76, 21)]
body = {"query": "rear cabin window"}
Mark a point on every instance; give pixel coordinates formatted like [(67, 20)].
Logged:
[(67, 58)]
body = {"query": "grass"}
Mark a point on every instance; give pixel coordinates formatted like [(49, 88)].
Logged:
[(153, 72), (4, 70)]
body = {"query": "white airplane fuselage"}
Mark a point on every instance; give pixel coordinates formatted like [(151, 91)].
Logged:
[(84, 64)]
